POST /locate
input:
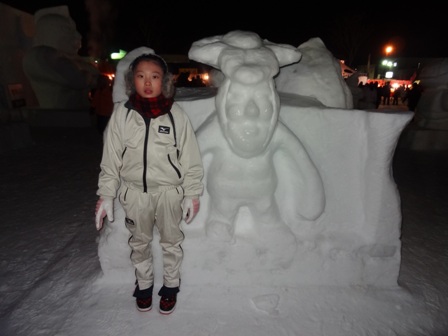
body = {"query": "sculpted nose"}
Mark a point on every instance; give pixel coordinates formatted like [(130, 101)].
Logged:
[(252, 109)]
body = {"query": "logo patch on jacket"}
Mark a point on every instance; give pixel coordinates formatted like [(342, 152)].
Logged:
[(164, 129)]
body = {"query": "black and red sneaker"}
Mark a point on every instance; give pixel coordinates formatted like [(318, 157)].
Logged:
[(144, 305), (167, 304), (143, 298)]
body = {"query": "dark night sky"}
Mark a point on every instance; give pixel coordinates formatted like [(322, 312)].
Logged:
[(171, 28)]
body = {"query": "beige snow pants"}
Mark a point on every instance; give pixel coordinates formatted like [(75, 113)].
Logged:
[(162, 208)]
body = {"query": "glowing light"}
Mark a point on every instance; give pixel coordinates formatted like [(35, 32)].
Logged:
[(389, 49), (388, 63), (119, 55)]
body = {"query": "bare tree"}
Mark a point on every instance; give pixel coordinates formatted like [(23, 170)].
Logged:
[(348, 35)]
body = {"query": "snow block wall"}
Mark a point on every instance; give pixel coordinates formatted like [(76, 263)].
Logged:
[(354, 241)]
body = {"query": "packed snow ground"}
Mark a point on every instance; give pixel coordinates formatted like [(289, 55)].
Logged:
[(51, 276)]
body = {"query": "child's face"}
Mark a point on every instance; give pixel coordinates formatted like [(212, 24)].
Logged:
[(148, 76)]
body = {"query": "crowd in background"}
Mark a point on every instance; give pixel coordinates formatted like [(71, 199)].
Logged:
[(371, 95)]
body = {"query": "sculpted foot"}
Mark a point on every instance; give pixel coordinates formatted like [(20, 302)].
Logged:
[(219, 231)]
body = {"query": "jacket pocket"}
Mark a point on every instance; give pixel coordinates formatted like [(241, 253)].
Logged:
[(172, 159)]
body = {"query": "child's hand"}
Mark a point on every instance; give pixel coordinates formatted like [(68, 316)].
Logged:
[(104, 206), (190, 207)]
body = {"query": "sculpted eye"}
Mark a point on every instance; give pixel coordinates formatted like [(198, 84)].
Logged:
[(234, 112), (267, 111), (266, 108)]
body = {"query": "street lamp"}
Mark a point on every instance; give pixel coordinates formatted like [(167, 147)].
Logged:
[(388, 50), (389, 64)]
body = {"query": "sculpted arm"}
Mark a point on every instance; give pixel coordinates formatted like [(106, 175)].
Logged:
[(304, 179)]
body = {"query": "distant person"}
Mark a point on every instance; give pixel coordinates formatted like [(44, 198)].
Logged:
[(370, 96), (405, 94), (151, 162), (355, 88), (358, 96), (414, 96), (377, 87), (182, 80), (395, 96), (197, 81), (385, 92), (400, 94), (102, 103)]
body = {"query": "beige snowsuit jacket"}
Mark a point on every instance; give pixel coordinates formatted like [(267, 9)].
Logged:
[(146, 155)]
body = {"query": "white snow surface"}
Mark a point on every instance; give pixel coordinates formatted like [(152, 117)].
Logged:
[(52, 282)]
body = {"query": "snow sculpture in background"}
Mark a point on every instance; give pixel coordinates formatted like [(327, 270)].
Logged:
[(245, 138), (60, 78), (318, 69), (432, 108)]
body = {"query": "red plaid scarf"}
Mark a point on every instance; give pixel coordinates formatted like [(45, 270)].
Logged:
[(151, 107)]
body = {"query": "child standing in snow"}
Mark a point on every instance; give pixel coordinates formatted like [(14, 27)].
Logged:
[(151, 162)]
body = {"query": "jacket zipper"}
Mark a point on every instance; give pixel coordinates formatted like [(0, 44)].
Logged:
[(145, 156)]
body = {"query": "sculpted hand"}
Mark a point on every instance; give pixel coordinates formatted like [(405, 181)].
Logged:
[(104, 207), (190, 207)]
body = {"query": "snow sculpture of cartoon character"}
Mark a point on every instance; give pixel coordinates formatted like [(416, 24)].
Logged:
[(242, 170), (60, 78)]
